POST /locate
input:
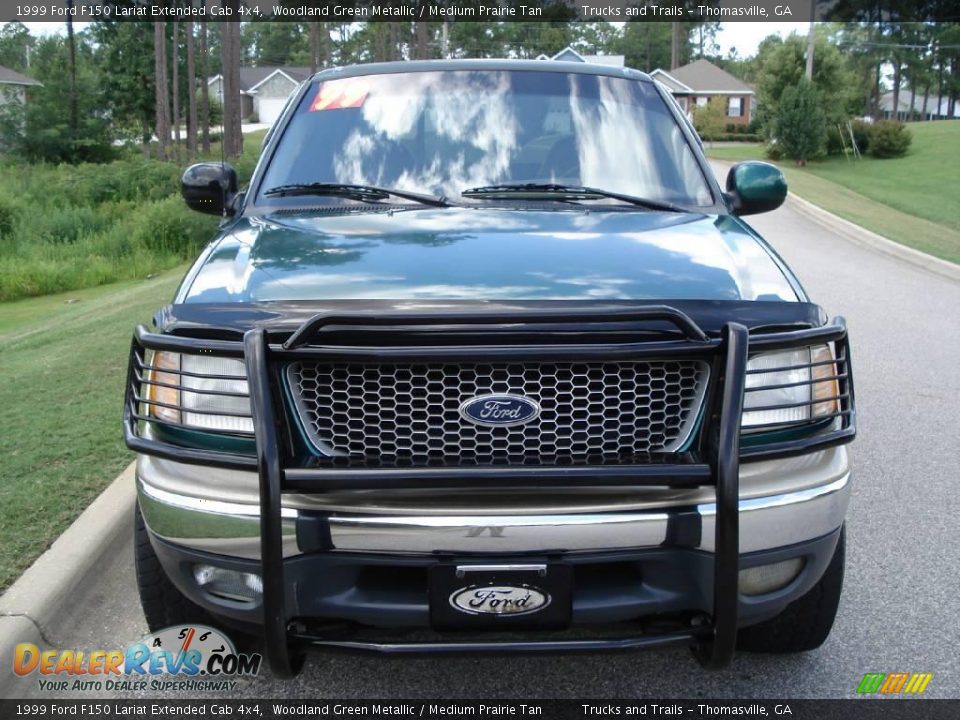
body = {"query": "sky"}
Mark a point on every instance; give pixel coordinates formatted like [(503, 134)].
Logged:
[(744, 36)]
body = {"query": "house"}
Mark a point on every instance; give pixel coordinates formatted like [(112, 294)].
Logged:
[(13, 86), (696, 83), (568, 54), (935, 108), (263, 90)]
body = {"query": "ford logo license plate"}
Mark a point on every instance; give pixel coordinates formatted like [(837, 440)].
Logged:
[(476, 597), (499, 410), (499, 600)]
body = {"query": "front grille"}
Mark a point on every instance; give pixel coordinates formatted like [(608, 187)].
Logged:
[(387, 412)]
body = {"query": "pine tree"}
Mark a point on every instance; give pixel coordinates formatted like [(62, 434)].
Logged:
[(800, 127)]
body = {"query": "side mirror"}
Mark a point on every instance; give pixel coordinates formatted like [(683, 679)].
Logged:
[(209, 187), (756, 187)]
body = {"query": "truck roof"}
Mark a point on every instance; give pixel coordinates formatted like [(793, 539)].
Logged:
[(409, 66)]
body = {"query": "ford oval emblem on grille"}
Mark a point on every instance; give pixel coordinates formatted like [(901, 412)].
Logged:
[(499, 600), (499, 410)]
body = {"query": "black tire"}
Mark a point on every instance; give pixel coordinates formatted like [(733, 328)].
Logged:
[(806, 622), (163, 604)]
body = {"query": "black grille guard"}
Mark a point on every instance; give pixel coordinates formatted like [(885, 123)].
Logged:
[(715, 462)]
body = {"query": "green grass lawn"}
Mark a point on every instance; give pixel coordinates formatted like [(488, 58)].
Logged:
[(63, 362), (912, 200)]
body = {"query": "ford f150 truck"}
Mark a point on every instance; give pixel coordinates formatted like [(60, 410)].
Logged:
[(483, 359)]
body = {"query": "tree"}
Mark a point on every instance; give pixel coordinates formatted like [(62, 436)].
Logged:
[(162, 101), (191, 94), (42, 129), (15, 46), (647, 45), (422, 41), (781, 64), (710, 120), (800, 128), (175, 64), (314, 43), (230, 63), (266, 42), (126, 67), (704, 34), (72, 68), (597, 38), (204, 88)]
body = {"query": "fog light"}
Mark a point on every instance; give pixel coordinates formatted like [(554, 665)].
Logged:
[(228, 584), (767, 578)]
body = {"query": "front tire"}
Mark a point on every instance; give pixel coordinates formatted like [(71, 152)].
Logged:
[(806, 622), (163, 604)]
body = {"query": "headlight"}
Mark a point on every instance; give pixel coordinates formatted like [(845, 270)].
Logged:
[(199, 391), (789, 387)]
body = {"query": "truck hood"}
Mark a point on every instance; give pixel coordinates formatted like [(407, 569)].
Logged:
[(486, 254)]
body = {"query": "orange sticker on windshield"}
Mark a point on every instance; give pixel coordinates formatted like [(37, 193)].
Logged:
[(339, 94)]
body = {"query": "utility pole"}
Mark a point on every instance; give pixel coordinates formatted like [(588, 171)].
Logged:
[(675, 45), (810, 39)]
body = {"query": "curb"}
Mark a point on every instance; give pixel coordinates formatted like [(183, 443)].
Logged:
[(858, 235), (869, 239), (29, 609)]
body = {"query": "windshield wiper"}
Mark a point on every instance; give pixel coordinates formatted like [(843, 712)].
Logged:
[(534, 191), (364, 193)]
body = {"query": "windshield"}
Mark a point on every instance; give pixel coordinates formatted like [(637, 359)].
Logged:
[(445, 132)]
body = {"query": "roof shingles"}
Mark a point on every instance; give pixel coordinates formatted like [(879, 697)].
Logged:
[(704, 76), (12, 77), (252, 76)]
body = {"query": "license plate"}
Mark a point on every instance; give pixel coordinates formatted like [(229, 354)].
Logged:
[(504, 597)]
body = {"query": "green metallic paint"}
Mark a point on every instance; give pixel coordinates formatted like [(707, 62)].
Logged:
[(756, 187), (206, 440), (487, 253)]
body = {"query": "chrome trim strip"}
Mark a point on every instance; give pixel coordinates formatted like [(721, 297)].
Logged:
[(497, 533), (224, 528), (766, 522), (234, 528), (757, 479), (778, 520), (213, 507)]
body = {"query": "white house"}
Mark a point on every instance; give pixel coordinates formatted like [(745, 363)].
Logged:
[(935, 108), (13, 86), (263, 90), (568, 54)]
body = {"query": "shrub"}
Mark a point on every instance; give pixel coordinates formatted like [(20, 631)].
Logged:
[(169, 227), (709, 119), (736, 137), (835, 141), (773, 152), (9, 211), (132, 179), (889, 139), (66, 224), (861, 134), (800, 125)]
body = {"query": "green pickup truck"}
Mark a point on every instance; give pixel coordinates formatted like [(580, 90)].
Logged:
[(484, 360)]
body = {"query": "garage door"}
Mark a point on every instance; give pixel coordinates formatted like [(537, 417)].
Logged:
[(269, 109)]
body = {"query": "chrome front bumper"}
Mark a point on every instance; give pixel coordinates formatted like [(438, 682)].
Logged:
[(782, 502)]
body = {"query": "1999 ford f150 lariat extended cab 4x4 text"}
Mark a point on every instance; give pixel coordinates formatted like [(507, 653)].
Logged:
[(484, 359)]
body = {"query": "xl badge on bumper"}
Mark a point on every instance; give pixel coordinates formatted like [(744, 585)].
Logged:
[(499, 600)]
